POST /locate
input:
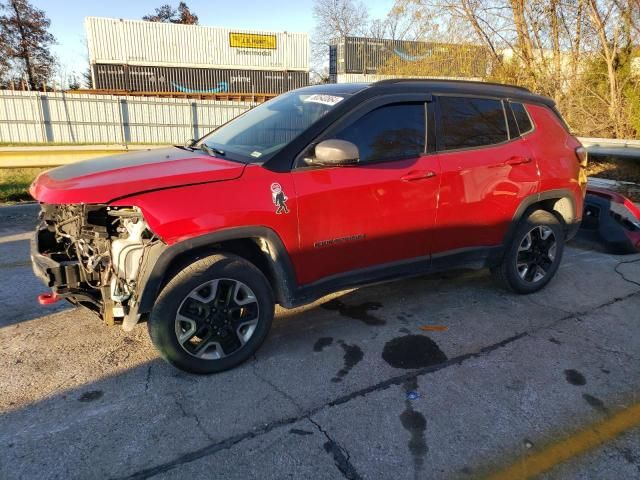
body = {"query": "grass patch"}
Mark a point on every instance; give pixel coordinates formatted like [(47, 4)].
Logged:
[(15, 182)]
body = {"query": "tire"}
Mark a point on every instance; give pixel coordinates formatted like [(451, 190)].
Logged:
[(212, 315), (527, 270)]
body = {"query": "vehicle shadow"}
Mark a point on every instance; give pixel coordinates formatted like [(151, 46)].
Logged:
[(102, 397), (20, 287)]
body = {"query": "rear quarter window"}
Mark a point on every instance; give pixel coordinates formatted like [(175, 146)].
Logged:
[(467, 122), (522, 118)]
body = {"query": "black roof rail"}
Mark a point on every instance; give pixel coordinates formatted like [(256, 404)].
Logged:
[(391, 81)]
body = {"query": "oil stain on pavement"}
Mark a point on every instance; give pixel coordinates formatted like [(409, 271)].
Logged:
[(91, 395), (352, 356), (574, 377), (412, 351), (414, 423), (321, 343), (595, 402), (357, 312)]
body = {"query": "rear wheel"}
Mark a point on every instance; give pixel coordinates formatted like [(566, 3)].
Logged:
[(212, 315), (534, 255)]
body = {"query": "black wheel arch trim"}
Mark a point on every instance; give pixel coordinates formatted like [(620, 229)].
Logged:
[(528, 202), (280, 263)]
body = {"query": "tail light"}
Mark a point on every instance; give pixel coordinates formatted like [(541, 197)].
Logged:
[(581, 155)]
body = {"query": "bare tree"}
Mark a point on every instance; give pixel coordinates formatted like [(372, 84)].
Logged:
[(335, 19), (167, 14), (342, 18), (26, 41), (612, 25), (407, 21), (579, 52)]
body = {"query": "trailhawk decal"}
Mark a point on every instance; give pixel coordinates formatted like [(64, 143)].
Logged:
[(279, 198), (336, 241)]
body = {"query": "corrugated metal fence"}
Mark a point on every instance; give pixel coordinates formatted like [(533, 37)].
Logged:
[(37, 117)]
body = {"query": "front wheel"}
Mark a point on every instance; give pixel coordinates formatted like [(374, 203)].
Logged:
[(212, 315), (534, 255)]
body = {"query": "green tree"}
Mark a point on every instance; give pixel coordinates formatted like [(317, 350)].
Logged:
[(26, 42), (87, 78)]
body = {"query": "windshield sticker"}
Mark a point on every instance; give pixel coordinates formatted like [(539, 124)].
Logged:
[(256, 154), (279, 198), (324, 99)]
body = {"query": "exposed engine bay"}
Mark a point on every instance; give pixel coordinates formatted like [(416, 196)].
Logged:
[(91, 255)]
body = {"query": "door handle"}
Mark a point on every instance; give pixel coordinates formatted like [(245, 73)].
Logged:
[(518, 161), (418, 175)]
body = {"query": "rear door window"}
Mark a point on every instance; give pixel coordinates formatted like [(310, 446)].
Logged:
[(467, 122), (522, 118), (391, 132)]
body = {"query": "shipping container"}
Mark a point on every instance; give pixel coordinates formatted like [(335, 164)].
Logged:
[(136, 42), (398, 58), (195, 80)]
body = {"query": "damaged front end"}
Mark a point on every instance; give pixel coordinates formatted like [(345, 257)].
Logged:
[(94, 255)]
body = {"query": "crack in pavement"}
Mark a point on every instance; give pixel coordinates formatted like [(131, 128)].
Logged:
[(593, 344), (256, 432), (392, 381), (211, 449), (277, 389), (194, 416), (341, 456), (552, 307), (148, 379), (622, 275), (577, 315)]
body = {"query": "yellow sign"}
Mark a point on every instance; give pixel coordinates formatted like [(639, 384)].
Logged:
[(252, 40)]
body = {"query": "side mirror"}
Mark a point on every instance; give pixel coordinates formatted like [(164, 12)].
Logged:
[(334, 153), (190, 143)]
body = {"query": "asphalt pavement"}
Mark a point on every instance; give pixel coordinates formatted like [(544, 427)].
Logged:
[(442, 376)]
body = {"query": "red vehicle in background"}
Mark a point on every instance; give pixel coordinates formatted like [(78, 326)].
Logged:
[(319, 189)]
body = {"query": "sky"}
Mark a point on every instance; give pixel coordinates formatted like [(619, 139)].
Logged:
[(67, 19)]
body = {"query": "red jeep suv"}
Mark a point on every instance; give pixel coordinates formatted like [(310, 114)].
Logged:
[(319, 189)]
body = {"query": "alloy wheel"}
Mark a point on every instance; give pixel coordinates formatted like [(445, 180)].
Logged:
[(217, 318), (536, 254)]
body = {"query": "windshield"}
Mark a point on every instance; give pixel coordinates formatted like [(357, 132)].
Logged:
[(268, 128)]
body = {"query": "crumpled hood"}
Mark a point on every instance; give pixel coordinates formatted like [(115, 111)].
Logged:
[(101, 180)]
